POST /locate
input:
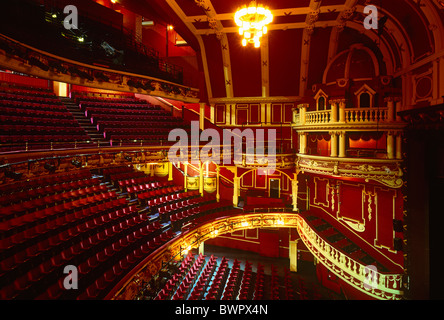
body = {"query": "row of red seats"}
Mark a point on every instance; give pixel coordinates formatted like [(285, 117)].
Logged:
[(92, 111), (186, 201), (99, 287), (274, 284), (21, 196), (45, 140), (288, 286), (123, 117), (33, 105), (204, 279), (101, 124), (173, 283), (187, 211), (104, 104), (31, 203), (45, 181), (232, 285), (79, 98), (171, 286), (6, 87), (67, 256), (34, 217), (259, 283), (40, 130), (123, 184), (35, 113), (150, 194), (156, 129), (153, 189), (24, 97), (188, 282), (148, 140), (246, 282), (56, 239), (40, 222), (218, 282), (39, 121), (115, 177)]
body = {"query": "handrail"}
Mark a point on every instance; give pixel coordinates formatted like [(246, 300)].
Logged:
[(367, 279)]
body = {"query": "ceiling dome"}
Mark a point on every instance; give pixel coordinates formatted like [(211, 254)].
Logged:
[(356, 63)]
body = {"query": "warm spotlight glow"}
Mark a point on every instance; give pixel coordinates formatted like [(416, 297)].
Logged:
[(252, 22), (170, 27)]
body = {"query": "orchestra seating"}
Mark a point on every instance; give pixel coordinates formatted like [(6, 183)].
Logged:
[(36, 117), (200, 277)]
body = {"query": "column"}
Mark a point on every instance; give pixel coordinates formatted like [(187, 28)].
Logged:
[(152, 169), (228, 114), (202, 116), (201, 178), (302, 113), (202, 248), (399, 146), (236, 181), (342, 144), (212, 110), (294, 191), (390, 145), (293, 252), (334, 111), (185, 173), (303, 142), (170, 171), (217, 183), (333, 145)]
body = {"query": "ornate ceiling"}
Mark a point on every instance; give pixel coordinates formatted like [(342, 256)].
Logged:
[(304, 37)]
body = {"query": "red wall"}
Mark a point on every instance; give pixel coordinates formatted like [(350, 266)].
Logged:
[(266, 242), (371, 205), (24, 81)]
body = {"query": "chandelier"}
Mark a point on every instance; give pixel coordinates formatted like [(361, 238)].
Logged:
[(252, 22)]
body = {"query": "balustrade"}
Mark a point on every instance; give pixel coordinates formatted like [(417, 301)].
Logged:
[(366, 278), (351, 115)]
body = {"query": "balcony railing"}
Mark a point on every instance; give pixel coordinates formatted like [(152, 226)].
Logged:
[(367, 279), (318, 117), (348, 115), (365, 115)]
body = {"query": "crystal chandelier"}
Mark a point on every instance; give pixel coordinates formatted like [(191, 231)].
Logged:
[(252, 22)]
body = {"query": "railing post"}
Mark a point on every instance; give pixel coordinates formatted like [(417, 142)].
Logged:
[(342, 111), (334, 111), (390, 108), (390, 145), (333, 144), (342, 144)]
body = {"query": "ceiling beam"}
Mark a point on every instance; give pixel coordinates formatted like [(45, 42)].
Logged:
[(276, 13)]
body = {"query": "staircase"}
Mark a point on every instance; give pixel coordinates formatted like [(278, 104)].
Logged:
[(83, 121)]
